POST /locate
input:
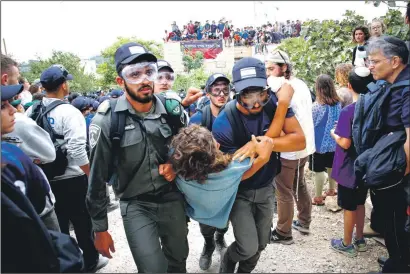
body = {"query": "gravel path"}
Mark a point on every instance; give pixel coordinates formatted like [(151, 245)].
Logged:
[(310, 253)]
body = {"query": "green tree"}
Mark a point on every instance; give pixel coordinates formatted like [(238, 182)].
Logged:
[(329, 43), (81, 83), (107, 68), (195, 78), (394, 22), (193, 61)]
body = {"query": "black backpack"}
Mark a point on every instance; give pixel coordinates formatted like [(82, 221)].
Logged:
[(368, 121), (58, 167), (206, 118), (241, 134), (30, 246), (117, 129)]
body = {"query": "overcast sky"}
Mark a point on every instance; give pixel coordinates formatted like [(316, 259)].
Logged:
[(86, 27)]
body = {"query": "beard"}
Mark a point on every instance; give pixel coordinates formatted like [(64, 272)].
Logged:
[(144, 99)]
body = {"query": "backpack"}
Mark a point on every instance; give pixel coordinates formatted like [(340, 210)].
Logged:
[(374, 147), (30, 246), (58, 167), (175, 120), (368, 121), (202, 102), (206, 118), (241, 134)]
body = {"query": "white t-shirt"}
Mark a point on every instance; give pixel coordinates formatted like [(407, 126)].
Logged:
[(26, 97), (301, 105)]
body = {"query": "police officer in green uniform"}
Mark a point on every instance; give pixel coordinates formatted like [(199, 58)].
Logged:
[(151, 207)]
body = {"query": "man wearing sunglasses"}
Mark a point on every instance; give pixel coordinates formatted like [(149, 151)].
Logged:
[(218, 90), (152, 208), (252, 212)]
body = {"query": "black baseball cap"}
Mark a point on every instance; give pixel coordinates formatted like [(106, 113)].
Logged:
[(249, 72), (216, 77), (54, 76), (80, 103), (164, 64), (8, 92), (132, 53)]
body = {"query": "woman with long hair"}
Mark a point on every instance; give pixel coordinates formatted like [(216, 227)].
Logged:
[(326, 110), (207, 177)]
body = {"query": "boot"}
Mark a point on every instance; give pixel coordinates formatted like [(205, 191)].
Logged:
[(205, 260), (220, 241), (227, 265)]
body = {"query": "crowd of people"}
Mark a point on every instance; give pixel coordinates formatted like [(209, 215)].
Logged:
[(247, 36), (218, 155)]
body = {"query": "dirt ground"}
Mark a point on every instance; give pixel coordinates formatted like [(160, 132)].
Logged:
[(311, 253)]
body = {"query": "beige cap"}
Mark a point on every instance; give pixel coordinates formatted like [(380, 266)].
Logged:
[(278, 56)]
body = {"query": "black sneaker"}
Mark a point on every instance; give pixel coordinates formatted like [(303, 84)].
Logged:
[(205, 260), (299, 227), (276, 238), (382, 260), (220, 241), (227, 265)]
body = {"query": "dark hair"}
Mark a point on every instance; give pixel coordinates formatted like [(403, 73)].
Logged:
[(34, 89), (325, 91), (195, 154), (359, 83), (72, 96), (408, 11), (22, 80), (289, 69), (38, 96), (6, 63), (365, 31)]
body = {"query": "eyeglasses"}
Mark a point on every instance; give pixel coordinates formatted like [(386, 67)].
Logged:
[(368, 62), (253, 96), (217, 90), (137, 73)]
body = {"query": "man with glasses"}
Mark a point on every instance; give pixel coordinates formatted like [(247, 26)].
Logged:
[(151, 206), (217, 89), (252, 212), (387, 60)]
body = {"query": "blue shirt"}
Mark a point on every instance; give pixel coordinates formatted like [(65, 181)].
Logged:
[(324, 119), (21, 169), (197, 118), (396, 108), (256, 125), (221, 26), (210, 203), (213, 28)]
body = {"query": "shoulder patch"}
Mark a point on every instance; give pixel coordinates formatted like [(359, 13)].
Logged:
[(104, 106), (94, 134)]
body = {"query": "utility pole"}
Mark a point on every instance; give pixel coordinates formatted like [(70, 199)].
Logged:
[(5, 48)]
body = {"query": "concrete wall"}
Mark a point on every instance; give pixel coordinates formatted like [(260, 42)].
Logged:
[(223, 63)]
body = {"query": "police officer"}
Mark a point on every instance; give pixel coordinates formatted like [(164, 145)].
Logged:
[(151, 207), (166, 77), (217, 88)]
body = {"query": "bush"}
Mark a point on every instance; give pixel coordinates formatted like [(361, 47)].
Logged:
[(195, 78), (329, 43)]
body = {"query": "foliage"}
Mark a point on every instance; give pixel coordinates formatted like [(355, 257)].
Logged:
[(394, 22), (81, 83), (193, 61), (329, 43), (107, 68), (195, 78)]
